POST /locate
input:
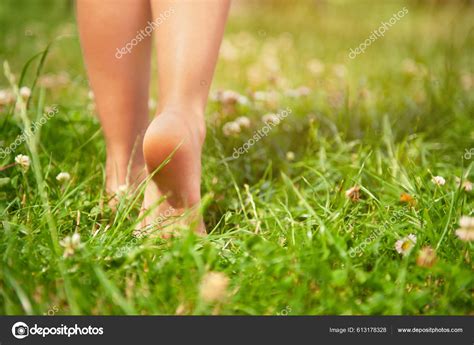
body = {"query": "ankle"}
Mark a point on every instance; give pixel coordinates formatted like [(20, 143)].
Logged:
[(123, 168), (193, 116)]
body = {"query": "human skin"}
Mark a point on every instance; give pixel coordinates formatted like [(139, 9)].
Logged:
[(187, 43)]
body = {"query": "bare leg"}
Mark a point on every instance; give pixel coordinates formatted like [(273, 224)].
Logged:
[(119, 82), (187, 45)]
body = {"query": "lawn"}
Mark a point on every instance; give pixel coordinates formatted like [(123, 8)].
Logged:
[(349, 203)]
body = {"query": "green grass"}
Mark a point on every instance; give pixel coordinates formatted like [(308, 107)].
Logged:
[(281, 230)]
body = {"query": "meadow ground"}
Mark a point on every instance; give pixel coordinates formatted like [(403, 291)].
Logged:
[(307, 220)]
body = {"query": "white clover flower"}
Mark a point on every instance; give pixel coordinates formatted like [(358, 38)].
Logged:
[(353, 193), (293, 93), (339, 70), (23, 161), (406, 244), (315, 67), (243, 121), (260, 96), (214, 287), (122, 190), (466, 184), (229, 97), (50, 81), (438, 180), (298, 92), (25, 92), (243, 100), (466, 232), (63, 176), (467, 222), (271, 119), (303, 90), (231, 128), (426, 257), (71, 244), (465, 235)]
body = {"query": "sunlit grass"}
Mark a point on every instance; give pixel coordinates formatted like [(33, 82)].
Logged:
[(281, 225)]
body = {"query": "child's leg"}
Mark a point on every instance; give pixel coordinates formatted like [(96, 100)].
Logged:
[(119, 81), (187, 47)]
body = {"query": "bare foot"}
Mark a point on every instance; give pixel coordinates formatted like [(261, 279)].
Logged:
[(176, 136)]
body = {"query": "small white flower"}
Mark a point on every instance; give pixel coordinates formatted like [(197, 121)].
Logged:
[(214, 287), (290, 156), (303, 91), (243, 121), (23, 161), (467, 222), (63, 176), (466, 232), (25, 92), (260, 95), (299, 92), (315, 67), (229, 97), (339, 70), (231, 128), (293, 93), (466, 184), (353, 193), (90, 95), (243, 100), (70, 244), (122, 190), (271, 119), (406, 244), (438, 180)]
